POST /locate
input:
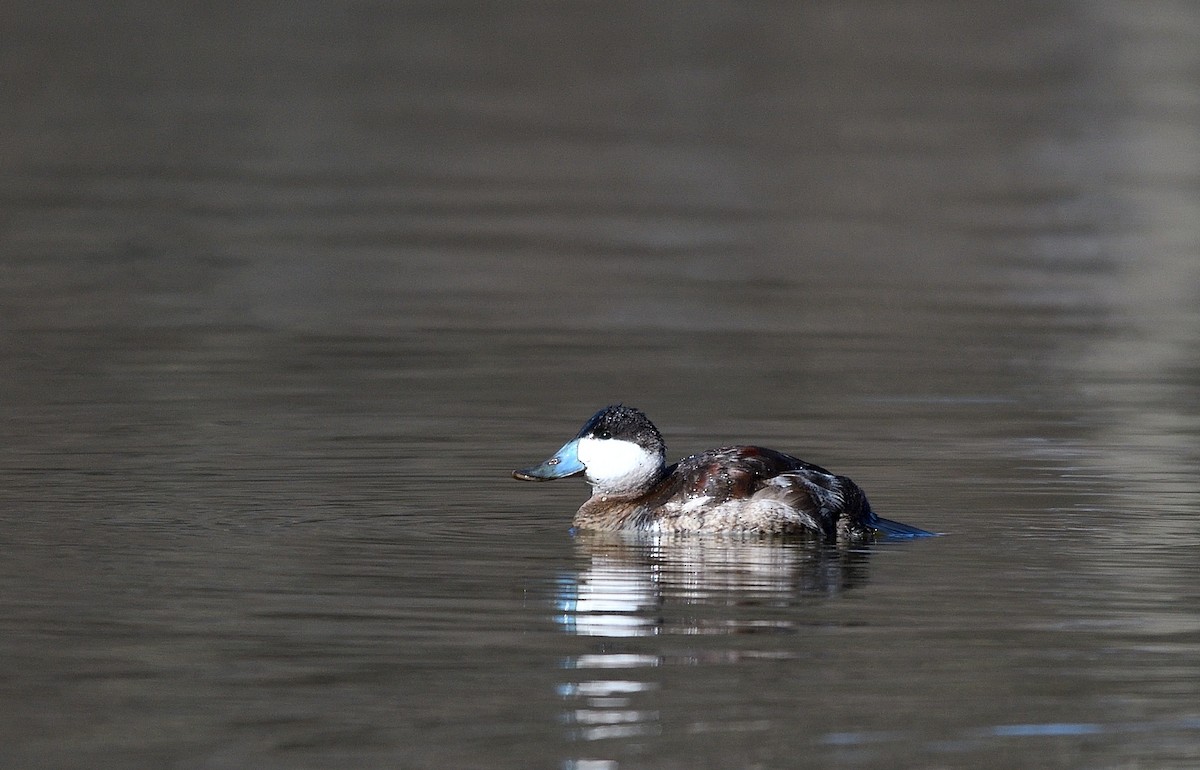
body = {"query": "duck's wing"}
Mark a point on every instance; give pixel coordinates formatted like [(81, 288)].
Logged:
[(823, 501), (733, 472)]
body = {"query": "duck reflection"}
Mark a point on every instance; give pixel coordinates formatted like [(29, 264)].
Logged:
[(639, 585), (635, 585)]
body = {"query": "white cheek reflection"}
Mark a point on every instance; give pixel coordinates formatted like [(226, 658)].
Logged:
[(607, 692), (606, 708), (608, 600)]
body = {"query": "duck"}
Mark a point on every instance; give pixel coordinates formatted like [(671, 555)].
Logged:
[(733, 489)]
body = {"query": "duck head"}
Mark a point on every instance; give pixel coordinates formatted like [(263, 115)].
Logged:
[(618, 450)]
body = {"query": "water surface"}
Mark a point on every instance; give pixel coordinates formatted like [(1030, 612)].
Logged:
[(286, 291)]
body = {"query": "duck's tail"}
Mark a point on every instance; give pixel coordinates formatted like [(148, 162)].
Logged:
[(895, 529)]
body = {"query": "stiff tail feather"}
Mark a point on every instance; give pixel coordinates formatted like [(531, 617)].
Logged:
[(895, 529)]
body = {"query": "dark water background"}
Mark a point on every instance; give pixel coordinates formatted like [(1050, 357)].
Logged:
[(286, 289)]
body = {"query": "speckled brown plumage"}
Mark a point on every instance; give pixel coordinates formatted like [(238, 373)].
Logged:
[(738, 488)]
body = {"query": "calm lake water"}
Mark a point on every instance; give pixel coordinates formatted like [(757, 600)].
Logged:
[(287, 290)]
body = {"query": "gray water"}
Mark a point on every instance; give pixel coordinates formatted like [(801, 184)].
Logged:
[(287, 289)]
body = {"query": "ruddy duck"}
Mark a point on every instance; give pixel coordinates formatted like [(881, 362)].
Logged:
[(744, 489)]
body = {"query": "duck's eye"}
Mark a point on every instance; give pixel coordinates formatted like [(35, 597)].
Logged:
[(604, 434)]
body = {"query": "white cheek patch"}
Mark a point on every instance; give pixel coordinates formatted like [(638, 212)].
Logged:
[(617, 466)]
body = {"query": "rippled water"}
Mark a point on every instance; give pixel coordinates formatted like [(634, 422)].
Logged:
[(287, 290)]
